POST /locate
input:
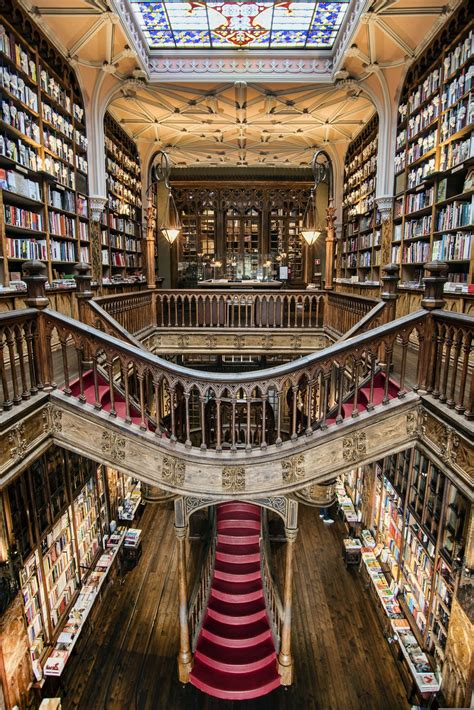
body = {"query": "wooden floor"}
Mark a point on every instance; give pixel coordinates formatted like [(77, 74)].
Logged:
[(342, 660)]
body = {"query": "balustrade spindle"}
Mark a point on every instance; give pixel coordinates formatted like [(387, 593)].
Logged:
[(80, 370), (11, 354), (356, 371), (447, 358), (31, 360), (388, 366), (469, 413), (340, 393), (325, 385), (460, 408), (7, 402), (95, 375), (19, 349), (171, 393), (263, 443), (188, 442), (454, 373), (309, 407), (438, 360), (202, 402), (66, 389), (128, 418), (141, 387), (294, 435), (403, 367), (218, 425), (110, 371), (157, 398), (233, 446), (248, 446), (373, 360)]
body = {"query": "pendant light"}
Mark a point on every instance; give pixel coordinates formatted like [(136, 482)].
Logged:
[(169, 223), (310, 231)]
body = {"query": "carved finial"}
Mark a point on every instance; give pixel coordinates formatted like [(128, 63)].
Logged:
[(35, 277), (434, 285)]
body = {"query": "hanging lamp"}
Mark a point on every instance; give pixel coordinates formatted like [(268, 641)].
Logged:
[(169, 223)]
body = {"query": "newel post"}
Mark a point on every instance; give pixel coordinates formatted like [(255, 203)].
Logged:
[(83, 279), (34, 275), (389, 293), (285, 660), (432, 299), (184, 656)]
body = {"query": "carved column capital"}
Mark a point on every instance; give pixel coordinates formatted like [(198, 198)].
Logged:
[(96, 206), (385, 206), (291, 534), (180, 532)]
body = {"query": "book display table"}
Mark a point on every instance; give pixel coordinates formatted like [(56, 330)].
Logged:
[(132, 546), (351, 551)]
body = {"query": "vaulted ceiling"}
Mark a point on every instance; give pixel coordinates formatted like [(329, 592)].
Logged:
[(222, 113)]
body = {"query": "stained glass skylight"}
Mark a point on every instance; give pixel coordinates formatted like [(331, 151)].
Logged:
[(208, 24)]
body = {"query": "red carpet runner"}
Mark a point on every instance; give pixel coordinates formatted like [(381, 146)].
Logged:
[(235, 657)]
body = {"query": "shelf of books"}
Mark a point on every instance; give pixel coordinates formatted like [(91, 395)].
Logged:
[(434, 163), (87, 525), (43, 162), (360, 246), (419, 521), (121, 232)]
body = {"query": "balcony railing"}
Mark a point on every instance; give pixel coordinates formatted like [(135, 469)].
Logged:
[(139, 312), (238, 412)]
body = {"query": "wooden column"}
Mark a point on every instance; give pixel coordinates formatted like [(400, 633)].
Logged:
[(389, 293), (330, 235), (285, 660), (433, 299), (150, 244), (184, 656)]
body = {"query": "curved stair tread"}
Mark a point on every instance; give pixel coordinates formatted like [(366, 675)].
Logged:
[(235, 659), (241, 635), (235, 686)]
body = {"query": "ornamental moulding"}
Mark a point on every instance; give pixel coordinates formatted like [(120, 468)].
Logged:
[(96, 206), (167, 68)]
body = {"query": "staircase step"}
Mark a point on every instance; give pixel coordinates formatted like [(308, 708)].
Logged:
[(238, 506), (348, 408), (236, 635), (230, 572), (234, 595), (237, 613), (236, 536), (235, 659), (235, 686), (235, 524), (238, 554)]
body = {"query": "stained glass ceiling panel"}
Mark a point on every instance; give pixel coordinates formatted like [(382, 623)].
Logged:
[(209, 24)]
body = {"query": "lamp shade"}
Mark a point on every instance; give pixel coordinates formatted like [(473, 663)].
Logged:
[(310, 235), (170, 224), (309, 230)]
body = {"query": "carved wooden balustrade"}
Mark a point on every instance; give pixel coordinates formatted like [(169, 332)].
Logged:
[(274, 603), (200, 595), (139, 312)]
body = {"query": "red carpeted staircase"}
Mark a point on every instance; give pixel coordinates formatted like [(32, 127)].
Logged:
[(364, 397), (104, 397), (235, 656)]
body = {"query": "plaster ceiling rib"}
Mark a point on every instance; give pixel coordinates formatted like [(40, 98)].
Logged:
[(419, 11), (59, 11), (395, 37), (87, 36), (141, 131)]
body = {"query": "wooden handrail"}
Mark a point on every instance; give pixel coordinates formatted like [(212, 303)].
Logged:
[(200, 595), (274, 604)]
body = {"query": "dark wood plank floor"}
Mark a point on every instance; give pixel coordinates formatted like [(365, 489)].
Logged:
[(342, 660)]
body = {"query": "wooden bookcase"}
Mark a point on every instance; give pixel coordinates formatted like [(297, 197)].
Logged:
[(358, 252), (43, 160), (422, 520), (434, 160), (122, 219), (56, 511)]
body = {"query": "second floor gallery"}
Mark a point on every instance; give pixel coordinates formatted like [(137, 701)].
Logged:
[(236, 354)]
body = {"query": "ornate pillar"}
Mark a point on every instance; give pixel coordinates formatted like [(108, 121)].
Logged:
[(330, 235), (432, 299), (149, 229), (184, 656), (34, 275), (96, 206), (385, 206), (285, 660)]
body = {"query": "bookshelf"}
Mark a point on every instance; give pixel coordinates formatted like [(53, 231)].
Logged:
[(43, 161), (359, 251), (60, 569), (121, 227), (420, 521), (434, 160), (87, 524)]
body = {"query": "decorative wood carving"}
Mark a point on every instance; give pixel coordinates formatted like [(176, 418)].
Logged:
[(293, 469), (173, 471), (233, 479), (354, 447), (457, 668), (113, 446), (17, 442)]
